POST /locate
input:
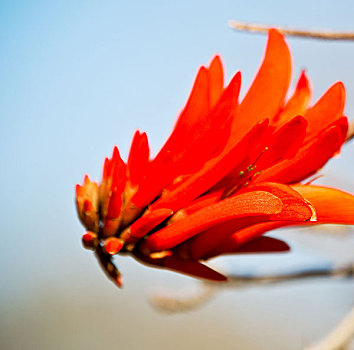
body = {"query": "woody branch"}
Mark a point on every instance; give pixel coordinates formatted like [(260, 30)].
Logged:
[(262, 28)]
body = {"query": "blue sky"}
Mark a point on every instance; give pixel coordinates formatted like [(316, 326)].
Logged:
[(78, 77)]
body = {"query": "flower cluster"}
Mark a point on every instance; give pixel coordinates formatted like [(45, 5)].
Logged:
[(229, 172)]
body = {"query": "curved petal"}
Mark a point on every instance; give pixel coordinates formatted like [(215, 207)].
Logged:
[(149, 221), (312, 156), (258, 245), (332, 205), (206, 91), (284, 143), (193, 268), (298, 102), (295, 208), (188, 267), (236, 240), (212, 172), (327, 109), (216, 80), (207, 141), (267, 93), (263, 245), (138, 158), (241, 206)]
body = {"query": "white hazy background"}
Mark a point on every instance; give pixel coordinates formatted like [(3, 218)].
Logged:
[(77, 78)]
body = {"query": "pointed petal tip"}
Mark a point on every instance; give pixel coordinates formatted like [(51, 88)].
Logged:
[(216, 60), (275, 33), (238, 77), (119, 282), (304, 81), (338, 91), (86, 179), (115, 154), (78, 190)]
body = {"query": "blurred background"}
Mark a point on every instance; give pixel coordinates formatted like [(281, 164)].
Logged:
[(78, 77)]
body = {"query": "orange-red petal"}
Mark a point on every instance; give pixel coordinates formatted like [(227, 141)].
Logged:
[(294, 208), (188, 267), (149, 221), (204, 141), (258, 245), (212, 172), (192, 268), (298, 102), (266, 95), (216, 80), (234, 241), (138, 158), (244, 205), (284, 143), (310, 157), (332, 205), (327, 109)]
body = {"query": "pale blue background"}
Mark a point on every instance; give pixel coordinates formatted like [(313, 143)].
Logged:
[(77, 77)]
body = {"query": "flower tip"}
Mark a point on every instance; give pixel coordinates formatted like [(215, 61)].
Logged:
[(119, 281), (237, 78), (303, 81), (113, 245), (89, 240), (275, 33), (115, 154), (216, 60), (86, 179), (78, 190)]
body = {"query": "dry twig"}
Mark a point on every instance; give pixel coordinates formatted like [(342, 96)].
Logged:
[(261, 28), (185, 300)]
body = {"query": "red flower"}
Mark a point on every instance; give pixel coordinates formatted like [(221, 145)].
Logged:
[(228, 173)]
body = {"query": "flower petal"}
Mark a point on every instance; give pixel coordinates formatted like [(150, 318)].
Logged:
[(138, 158), (149, 221), (298, 102), (258, 245), (295, 208), (327, 109), (206, 91), (263, 245), (239, 238), (310, 157), (208, 140), (201, 245), (332, 205), (244, 205), (267, 93), (192, 268), (212, 172), (189, 267), (284, 143), (216, 80)]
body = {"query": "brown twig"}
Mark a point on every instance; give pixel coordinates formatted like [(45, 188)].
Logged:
[(261, 28), (172, 302)]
